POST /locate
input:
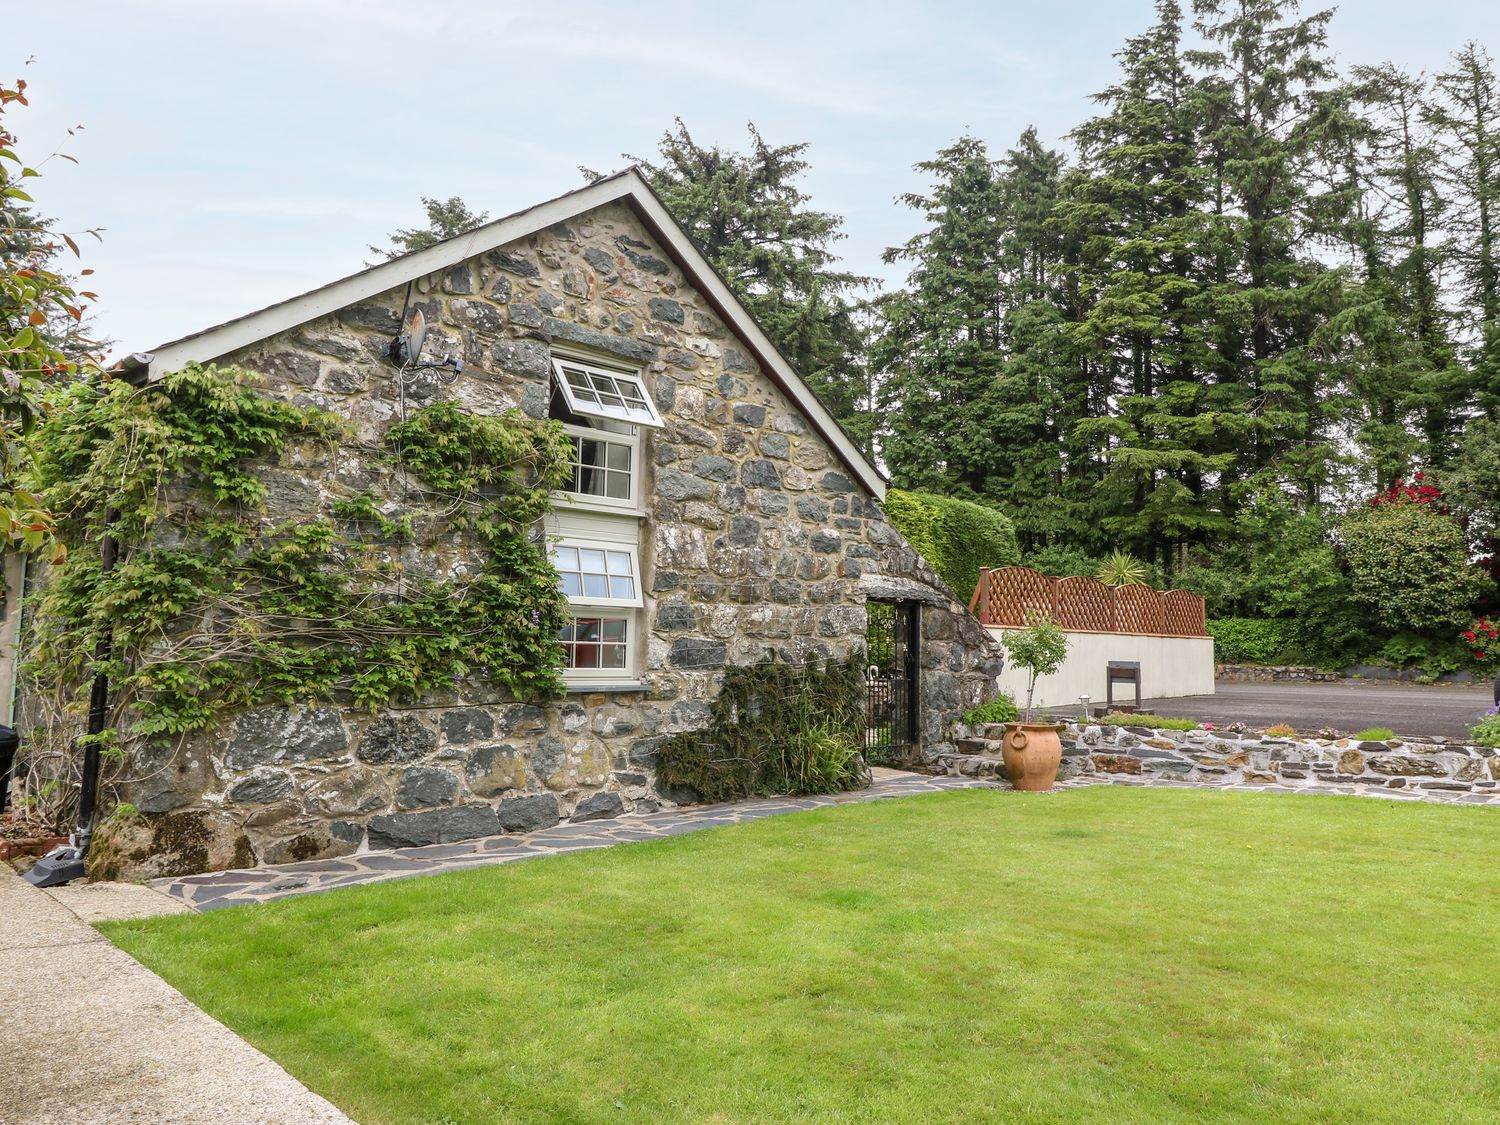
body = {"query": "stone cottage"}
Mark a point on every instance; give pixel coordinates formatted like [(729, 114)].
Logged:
[(716, 513)]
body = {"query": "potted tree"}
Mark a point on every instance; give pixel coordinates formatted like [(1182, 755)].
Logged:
[(1032, 751)]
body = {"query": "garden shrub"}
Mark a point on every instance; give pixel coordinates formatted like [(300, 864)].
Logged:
[(957, 537), (775, 728), (1486, 732), (1280, 730), (1407, 650), (1409, 567), (1251, 640), (1373, 734), (1001, 709)]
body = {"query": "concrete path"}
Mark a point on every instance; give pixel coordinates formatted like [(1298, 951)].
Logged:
[(90, 1035), (1349, 705), (264, 884)]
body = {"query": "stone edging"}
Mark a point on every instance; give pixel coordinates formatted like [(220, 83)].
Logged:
[(1218, 758)]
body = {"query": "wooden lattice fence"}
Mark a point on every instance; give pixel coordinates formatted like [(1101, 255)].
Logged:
[(1015, 595)]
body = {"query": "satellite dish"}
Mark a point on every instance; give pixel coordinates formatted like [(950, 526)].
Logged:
[(416, 335), (406, 348)]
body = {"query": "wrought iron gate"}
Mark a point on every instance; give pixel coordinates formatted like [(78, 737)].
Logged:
[(893, 696)]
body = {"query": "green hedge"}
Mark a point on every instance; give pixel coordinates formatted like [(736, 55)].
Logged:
[(1252, 640), (955, 536)]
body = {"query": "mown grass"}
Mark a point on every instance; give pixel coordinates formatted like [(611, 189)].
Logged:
[(1096, 955)]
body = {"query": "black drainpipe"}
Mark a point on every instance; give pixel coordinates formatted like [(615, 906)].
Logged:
[(88, 791), (64, 864)]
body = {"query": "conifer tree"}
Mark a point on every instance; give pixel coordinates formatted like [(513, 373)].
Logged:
[(1271, 121), (445, 219), (1465, 110), (940, 346), (1136, 214), (748, 216)]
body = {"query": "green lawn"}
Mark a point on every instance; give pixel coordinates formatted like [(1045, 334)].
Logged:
[(1105, 954)]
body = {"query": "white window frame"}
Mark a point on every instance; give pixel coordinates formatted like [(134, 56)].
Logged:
[(619, 547), (575, 677), (604, 533), (646, 415), (583, 500)]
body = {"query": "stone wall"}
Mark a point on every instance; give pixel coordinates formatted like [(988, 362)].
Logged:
[(755, 540), (1217, 758), (1273, 674)]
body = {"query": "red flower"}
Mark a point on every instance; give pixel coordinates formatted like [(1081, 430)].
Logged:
[(1478, 655), (1469, 636)]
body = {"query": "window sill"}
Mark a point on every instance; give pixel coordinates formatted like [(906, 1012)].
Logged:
[(573, 502), (613, 687)]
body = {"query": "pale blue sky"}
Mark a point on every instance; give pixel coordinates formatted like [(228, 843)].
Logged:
[(242, 151)]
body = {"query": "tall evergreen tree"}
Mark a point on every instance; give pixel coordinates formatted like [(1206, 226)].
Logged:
[(940, 347), (445, 219), (1465, 110), (1406, 385), (747, 214), (1162, 423), (1270, 124)]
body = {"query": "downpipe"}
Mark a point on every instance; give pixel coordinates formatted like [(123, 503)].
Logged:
[(64, 864)]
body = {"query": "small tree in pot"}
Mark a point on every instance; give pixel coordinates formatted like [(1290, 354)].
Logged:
[(1032, 751)]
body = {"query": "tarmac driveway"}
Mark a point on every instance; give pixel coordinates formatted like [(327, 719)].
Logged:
[(1349, 705)]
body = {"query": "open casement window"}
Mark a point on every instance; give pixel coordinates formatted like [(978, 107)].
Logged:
[(601, 579), (594, 392)]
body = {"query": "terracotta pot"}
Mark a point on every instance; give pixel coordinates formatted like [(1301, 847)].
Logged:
[(1032, 753)]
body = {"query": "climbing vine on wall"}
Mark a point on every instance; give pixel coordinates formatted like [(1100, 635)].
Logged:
[(213, 603)]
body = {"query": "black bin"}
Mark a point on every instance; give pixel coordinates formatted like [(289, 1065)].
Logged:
[(9, 740)]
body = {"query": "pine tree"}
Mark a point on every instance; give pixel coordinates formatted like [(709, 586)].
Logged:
[(939, 350), (1465, 110), (749, 217), (445, 219), (1273, 122), (1402, 369), (1161, 423)]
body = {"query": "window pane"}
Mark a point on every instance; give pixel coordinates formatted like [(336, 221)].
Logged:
[(617, 486), (596, 642), (621, 587), (619, 562), (619, 457), (595, 586), (572, 585), (592, 560), (565, 558)]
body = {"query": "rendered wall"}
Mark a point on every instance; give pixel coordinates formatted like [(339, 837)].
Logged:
[(1170, 666)]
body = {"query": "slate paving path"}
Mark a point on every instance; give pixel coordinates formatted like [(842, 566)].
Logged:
[(266, 884)]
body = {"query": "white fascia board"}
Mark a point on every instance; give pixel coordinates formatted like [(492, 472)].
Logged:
[(627, 185), (708, 282), (251, 329)]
